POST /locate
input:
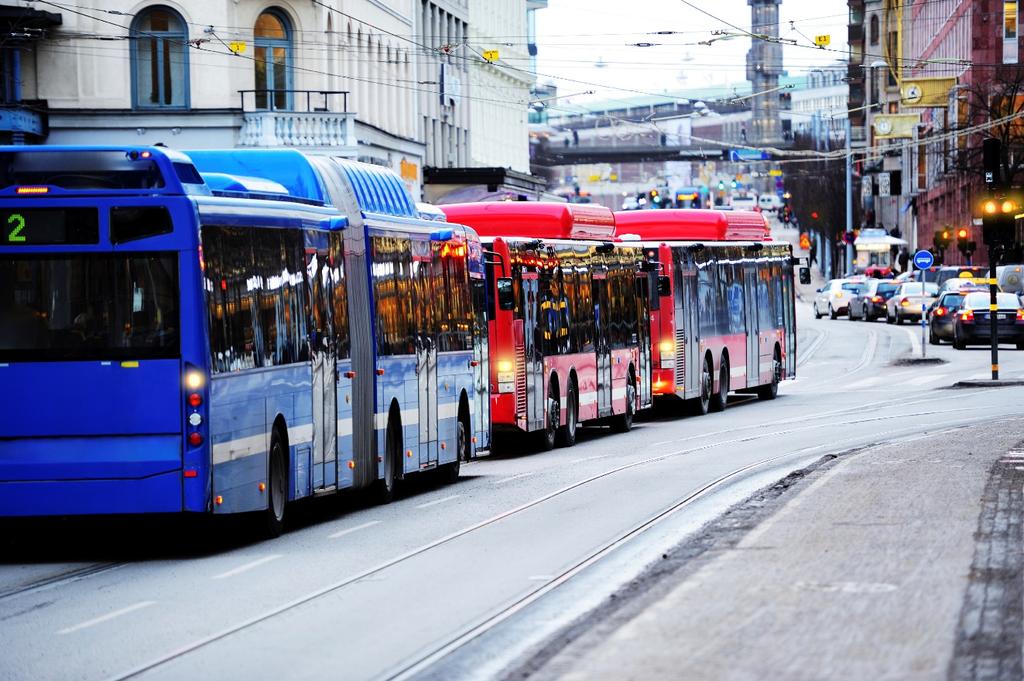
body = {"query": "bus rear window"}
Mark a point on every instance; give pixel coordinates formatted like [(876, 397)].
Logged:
[(88, 307), (128, 223), (80, 170)]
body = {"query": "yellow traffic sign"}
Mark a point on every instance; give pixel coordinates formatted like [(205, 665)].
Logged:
[(775, 172), (491, 55), (822, 40), (237, 46)]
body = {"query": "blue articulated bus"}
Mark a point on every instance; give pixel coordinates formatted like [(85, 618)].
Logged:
[(225, 333)]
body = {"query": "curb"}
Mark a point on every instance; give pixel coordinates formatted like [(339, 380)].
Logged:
[(989, 383)]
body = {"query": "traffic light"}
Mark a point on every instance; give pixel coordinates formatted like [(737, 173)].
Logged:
[(998, 217), (735, 184), (721, 185), (814, 215), (942, 239), (962, 240)]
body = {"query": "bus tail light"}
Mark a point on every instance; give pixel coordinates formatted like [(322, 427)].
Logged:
[(195, 400), (195, 439)]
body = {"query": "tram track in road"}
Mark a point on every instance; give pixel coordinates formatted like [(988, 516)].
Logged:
[(65, 577), (475, 629), (410, 669)]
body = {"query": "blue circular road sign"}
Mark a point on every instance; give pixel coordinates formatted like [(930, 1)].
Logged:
[(923, 260)]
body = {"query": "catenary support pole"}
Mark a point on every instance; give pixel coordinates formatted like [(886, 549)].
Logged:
[(849, 198)]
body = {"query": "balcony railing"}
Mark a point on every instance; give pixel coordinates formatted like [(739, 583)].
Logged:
[(296, 118)]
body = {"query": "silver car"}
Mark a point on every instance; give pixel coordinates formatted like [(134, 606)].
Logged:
[(834, 297), (910, 299)]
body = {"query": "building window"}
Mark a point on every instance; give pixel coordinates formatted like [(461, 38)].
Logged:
[(272, 58), (874, 29), (1010, 32), (159, 59)]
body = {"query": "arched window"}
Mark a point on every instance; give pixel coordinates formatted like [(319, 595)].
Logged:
[(272, 58), (874, 29), (159, 57)]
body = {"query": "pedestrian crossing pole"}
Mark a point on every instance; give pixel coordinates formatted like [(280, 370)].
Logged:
[(996, 216)]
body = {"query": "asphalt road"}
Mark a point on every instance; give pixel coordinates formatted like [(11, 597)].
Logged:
[(461, 580)]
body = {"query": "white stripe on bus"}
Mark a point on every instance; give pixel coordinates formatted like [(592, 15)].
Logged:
[(239, 448), (737, 371)]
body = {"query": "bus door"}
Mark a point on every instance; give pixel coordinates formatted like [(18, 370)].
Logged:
[(602, 342), (755, 344), (688, 320), (533, 349), (646, 282), (324, 364), (426, 264), (481, 377)]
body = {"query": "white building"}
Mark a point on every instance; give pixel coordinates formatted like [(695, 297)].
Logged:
[(501, 89), (383, 81)]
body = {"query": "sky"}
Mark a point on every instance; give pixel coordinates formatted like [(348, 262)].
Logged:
[(590, 45)]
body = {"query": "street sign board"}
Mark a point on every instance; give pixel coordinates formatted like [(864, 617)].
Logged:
[(822, 40), (923, 259), (884, 185), (739, 155)]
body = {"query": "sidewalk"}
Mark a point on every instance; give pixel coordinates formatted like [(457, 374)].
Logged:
[(873, 566)]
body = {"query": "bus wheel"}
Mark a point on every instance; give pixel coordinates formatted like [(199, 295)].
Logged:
[(771, 390), (273, 517), (624, 422), (450, 472), (702, 404), (567, 433), (721, 398), (548, 435), (388, 487)]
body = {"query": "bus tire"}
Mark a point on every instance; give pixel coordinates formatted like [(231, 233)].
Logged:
[(567, 433), (702, 404), (721, 398), (552, 415), (771, 390), (623, 423), (277, 483), (450, 472), (388, 485)]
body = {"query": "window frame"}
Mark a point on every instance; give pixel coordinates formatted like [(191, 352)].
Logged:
[(136, 33), (289, 57)]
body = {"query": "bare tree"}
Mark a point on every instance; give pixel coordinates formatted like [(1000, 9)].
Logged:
[(985, 101)]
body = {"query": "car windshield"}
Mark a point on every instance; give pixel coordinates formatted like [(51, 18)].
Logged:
[(952, 302), (980, 300), (911, 289), (886, 289)]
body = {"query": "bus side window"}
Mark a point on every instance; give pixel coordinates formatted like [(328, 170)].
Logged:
[(506, 293)]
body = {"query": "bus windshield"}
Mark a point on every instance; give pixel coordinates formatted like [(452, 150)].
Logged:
[(88, 307)]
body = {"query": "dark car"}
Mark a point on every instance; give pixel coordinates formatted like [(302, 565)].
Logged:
[(972, 323), (942, 315), (869, 304), (962, 271)]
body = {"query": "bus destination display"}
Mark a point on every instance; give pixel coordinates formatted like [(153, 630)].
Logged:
[(47, 226)]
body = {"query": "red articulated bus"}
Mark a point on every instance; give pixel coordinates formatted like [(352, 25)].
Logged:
[(568, 318), (726, 318)]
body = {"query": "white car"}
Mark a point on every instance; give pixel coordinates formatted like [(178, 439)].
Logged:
[(834, 297), (744, 202), (769, 202)]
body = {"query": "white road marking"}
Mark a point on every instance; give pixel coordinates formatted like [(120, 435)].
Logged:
[(442, 500), (915, 342), (248, 566), (588, 458), (511, 478), (105, 618), (663, 442), (927, 378), (866, 382), (342, 533), (540, 578)]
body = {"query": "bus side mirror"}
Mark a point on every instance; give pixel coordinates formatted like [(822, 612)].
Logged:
[(805, 275), (664, 285), (506, 298)]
